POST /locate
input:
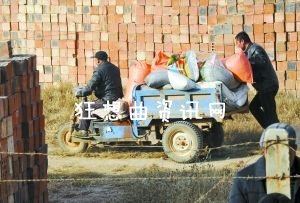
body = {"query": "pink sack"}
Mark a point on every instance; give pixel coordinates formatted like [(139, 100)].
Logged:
[(240, 66), (137, 74)]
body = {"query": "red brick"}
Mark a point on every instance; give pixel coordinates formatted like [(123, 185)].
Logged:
[(280, 75), (237, 28), (298, 87), (281, 37), (279, 27), (193, 20), (259, 37), (203, 2), (259, 8), (249, 19), (194, 29), (290, 27), (290, 84), (269, 8), (292, 46), (168, 47), (104, 45), (157, 20), (270, 37), (258, 28), (194, 46), (184, 10), (193, 11), (194, 2), (167, 11), (268, 18), (158, 46), (291, 75), (279, 17), (280, 56), (158, 11), (185, 47), (268, 28), (229, 50), (149, 46), (291, 55), (5, 49), (290, 17), (183, 20), (280, 46), (203, 29), (149, 19), (124, 72), (249, 9), (212, 20), (222, 10), (259, 19), (140, 19), (292, 36), (298, 26)]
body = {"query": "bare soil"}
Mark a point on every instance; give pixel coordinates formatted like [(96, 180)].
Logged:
[(98, 164)]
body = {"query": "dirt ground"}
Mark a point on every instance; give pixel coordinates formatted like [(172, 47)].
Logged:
[(96, 165)]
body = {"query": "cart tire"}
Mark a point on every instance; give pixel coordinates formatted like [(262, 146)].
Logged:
[(63, 137), (215, 137), (182, 142)]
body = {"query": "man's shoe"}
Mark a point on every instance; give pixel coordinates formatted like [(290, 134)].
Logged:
[(81, 133)]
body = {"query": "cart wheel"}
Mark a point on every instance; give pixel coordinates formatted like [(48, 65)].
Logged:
[(182, 141), (63, 138), (215, 135)]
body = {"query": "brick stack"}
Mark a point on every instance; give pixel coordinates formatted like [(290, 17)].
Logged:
[(21, 130), (65, 33)]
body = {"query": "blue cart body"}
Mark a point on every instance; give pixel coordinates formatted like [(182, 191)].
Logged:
[(190, 105)]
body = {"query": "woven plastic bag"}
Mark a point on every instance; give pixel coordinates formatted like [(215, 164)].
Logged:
[(157, 79), (191, 66), (186, 66), (214, 70), (240, 66), (137, 75), (181, 82)]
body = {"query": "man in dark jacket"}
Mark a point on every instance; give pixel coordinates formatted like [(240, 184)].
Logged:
[(253, 190), (106, 85), (263, 105)]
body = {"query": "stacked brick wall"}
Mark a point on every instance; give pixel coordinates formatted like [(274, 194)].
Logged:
[(21, 132), (65, 33)]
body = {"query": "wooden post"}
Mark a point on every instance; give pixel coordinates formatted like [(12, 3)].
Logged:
[(277, 162)]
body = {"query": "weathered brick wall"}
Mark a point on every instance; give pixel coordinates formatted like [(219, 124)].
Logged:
[(65, 33)]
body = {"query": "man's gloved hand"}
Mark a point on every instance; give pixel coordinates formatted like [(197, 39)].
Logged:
[(78, 91)]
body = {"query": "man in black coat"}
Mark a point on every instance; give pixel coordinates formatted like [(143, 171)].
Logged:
[(263, 105), (106, 85), (253, 190)]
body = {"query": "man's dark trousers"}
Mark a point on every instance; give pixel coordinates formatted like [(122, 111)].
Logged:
[(263, 107), (85, 123)]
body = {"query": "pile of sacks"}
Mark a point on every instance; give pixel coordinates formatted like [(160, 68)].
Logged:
[(185, 72)]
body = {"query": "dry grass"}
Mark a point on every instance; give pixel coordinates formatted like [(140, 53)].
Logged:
[(58, 105), (152, 184)]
